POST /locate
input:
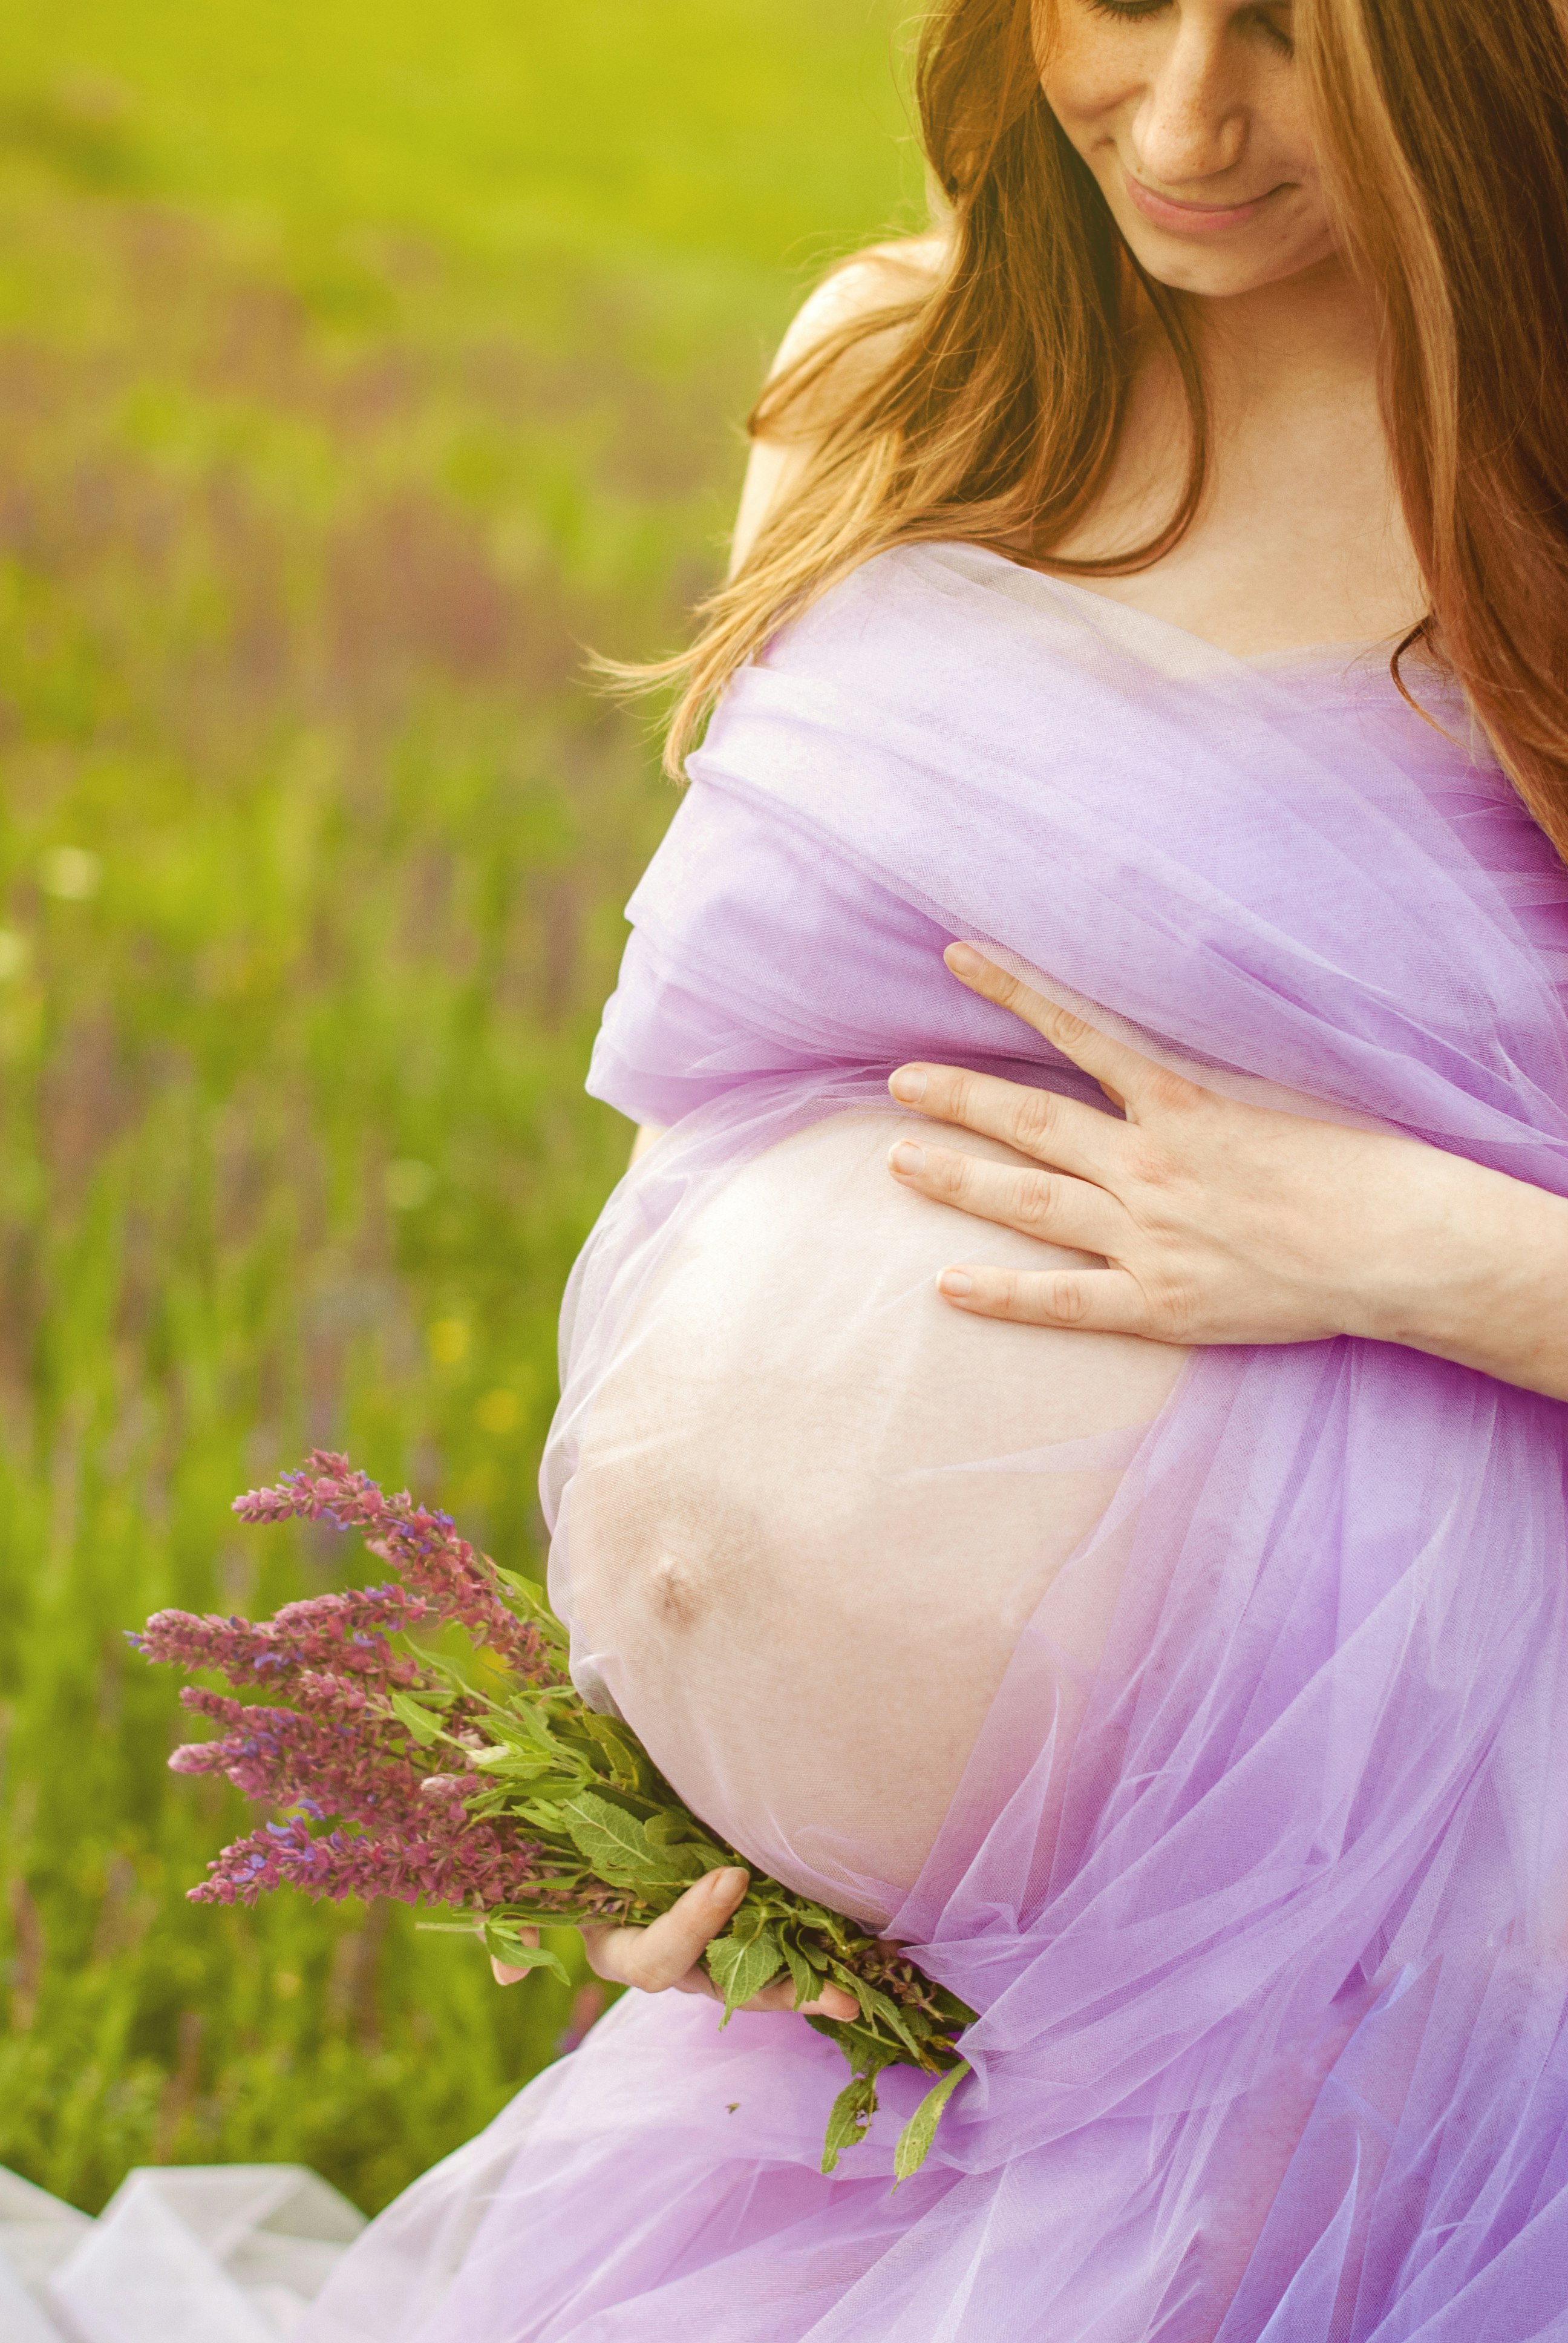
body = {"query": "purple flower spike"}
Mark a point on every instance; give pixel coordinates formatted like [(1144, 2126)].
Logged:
[(451, 1576), (341, 1754), (448, 1860), (335, 1630)]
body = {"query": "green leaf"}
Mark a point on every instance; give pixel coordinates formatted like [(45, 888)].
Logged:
[(915, 2139), (626, 1755), (864, 1993), (740, 1968), (882, 2006), (802, 1977), (673, 1827), (529, 1596), (533, 1725), (424, 1727), (543, 1815), (850, 2119), (879, 2014), (505, 1946), (748, 1923), (619, 1849)]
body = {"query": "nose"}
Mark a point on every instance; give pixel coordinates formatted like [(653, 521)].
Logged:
[(1192, 122)]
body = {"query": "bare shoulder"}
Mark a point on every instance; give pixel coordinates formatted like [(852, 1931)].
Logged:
[(886, 277)]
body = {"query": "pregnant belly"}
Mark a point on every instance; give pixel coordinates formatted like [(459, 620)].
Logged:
[(815, 1506)]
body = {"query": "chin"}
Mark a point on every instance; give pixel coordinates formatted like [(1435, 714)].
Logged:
[(1223, 269)]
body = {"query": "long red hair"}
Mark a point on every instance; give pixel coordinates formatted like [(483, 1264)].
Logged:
[(994, 410)]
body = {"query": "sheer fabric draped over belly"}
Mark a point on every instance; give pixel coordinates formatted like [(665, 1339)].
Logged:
[(813, 1505)]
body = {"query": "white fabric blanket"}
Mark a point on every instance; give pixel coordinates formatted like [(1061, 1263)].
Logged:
[(217, 2253)]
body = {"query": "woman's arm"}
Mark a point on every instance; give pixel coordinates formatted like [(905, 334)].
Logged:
[(1223, 1222)]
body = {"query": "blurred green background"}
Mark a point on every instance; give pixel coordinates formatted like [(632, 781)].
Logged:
[(360, 361)]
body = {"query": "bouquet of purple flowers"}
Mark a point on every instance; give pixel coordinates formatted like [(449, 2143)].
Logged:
[(433, 1748)]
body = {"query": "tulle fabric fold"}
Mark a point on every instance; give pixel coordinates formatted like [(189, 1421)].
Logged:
[(1257, 1867)]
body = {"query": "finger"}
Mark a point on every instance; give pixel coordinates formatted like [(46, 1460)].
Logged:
[(775, 1999), (831, 2002), (1123, 1071), (502, 1971), (1091, 1301), (1043, 1204), (1054, 1130), (697, 1981), (660, 1955)]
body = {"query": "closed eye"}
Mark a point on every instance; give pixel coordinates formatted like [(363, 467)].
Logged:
[(1271, 21)]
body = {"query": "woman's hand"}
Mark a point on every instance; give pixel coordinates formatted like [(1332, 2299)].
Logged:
[(1223, 1222), (667, 1955)]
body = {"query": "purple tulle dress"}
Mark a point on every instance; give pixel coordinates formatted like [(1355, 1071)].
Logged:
[(1203, 1720)]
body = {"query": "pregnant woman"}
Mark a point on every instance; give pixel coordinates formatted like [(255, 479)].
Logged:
[(1098, 1513)]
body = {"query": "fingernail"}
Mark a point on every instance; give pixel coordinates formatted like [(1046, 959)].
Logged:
[(955, 1282), (964, 960), (907, 1157), (908, 1084), (728, 1883)]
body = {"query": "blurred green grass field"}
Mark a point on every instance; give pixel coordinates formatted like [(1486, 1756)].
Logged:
[(358, 364)]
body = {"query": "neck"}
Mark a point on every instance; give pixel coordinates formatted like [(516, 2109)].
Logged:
[(1287, 341)]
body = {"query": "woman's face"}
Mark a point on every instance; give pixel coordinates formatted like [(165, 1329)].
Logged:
[(1189, 114)]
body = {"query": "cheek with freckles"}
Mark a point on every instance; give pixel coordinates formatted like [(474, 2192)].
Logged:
[(1093, 74)]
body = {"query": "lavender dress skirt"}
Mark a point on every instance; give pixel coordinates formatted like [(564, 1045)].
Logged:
[(1202, 1721)]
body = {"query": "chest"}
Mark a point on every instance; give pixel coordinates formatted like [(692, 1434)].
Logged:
[(1299, 540)]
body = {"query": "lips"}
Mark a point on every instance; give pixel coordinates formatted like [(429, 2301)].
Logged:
[(1192, 219)]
